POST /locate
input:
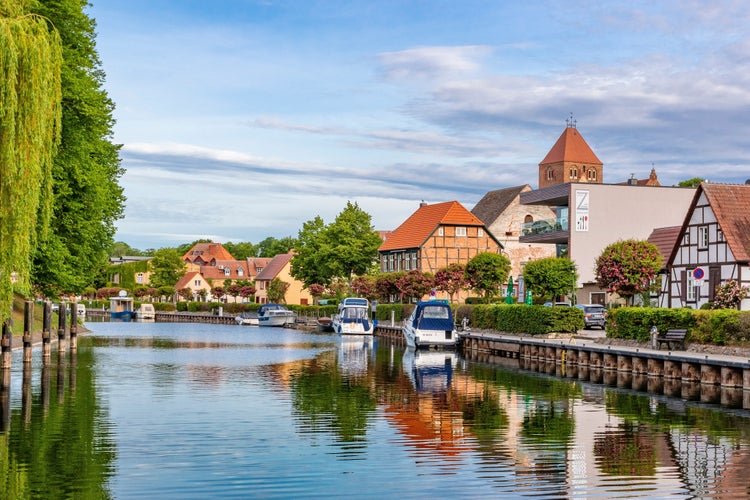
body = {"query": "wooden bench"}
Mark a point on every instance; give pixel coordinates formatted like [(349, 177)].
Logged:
[(676, 336)]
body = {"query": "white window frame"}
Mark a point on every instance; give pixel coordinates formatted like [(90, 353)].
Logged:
[(139, 278), (690, 293), (240, 272), (460, 231), (702, 237), (227, 271), (480, 232), (440, 231)]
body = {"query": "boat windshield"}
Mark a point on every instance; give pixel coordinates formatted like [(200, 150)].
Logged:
[(435, 312)]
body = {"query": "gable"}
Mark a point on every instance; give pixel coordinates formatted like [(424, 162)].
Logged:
[(493, 204)]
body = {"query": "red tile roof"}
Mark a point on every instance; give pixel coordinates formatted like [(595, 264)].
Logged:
[(187, 280), (219, 270), (204, 252), (422, 223), (731, 205), (571, 147), (665, 238), (274, 267)]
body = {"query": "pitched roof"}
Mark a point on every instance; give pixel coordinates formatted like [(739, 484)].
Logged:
[(207, 251), (571, 147), (188, 279), (665, 238), (253, 263), (494, 203), (218, 271), (274, 267), (420, 225), (731, 205)]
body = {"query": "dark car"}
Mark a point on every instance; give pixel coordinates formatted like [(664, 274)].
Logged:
[(593, 315)]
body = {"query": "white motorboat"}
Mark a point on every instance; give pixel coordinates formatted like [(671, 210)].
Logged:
[(145, 311), (275, 315), (247, 319), (430, 324), (353, 317)]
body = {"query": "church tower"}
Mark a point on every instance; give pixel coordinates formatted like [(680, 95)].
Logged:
[(570, 160)]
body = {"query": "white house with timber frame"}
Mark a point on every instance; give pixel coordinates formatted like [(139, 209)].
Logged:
[(715, 240)]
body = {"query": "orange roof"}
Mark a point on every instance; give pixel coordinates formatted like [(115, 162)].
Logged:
[(204, 252), (731, 205), (274, 267), (186, 280), (422, 223), (571, 147)]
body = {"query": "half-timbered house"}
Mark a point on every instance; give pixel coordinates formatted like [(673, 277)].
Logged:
[(713, 247)]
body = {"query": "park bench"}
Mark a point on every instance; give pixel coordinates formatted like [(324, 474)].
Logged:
[(675, 336)]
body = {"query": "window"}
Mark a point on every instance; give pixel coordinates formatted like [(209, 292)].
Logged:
[(691, 288), (460, 231), (591, 175), (686, 239), (574, 173), (240, 272), (414, 260), (139, 278), (550, 174), (480, 232), (719, 235), (703, 237), (528, 218), (440, 231), (197, 283), (227, 271)]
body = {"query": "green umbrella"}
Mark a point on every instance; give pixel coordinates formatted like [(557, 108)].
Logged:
[(529, 300), (509, 294)]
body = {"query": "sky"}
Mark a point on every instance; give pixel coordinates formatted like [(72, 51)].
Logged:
[(243, 119)]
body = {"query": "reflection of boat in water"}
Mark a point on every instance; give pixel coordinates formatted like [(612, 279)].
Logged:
[(430, 324), (354, 353), (247, 319), (274, 315), (353, 317), (121, 307), (430, 370)]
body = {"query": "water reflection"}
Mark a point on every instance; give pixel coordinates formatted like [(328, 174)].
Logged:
[(182, 412)]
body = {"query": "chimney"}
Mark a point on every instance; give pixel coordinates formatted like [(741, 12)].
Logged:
[(422, 204), (632, 181)]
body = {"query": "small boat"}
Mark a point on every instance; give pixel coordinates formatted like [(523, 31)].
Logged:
[(247, 319), (146, 311), (121, 307), (274, 315), (430, 324), (353, 317), (325, 324)]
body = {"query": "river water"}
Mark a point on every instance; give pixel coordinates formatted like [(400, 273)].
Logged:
[(161, 410)]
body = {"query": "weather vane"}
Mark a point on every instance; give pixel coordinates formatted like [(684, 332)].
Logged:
[(571, 121)]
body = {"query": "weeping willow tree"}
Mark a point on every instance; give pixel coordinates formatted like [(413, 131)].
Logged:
[(30, 97)]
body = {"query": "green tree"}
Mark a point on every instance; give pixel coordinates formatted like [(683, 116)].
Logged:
[(551, 277), (277, 291), (346, 247), (628, 267), (310, 263), (167, 267), (415, 284), (30, 122), (486, 272), (271, 247), (119, 249), (241, 251), (690, 183), (353, 241), (86, 170)]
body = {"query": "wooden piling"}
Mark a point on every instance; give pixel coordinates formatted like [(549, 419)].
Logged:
[(74, 326), (62, 316), (28, 324), (46, 330), (6, 341)]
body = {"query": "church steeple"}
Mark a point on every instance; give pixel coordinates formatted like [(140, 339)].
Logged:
[(570, 160)]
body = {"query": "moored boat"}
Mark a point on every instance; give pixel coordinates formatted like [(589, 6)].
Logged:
[(325, 324), (145, 311), (430, 324), (247, 319), (121, 307), (275, 315), (353, 317)]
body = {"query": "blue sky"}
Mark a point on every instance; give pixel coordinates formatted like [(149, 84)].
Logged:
[(242, 119)]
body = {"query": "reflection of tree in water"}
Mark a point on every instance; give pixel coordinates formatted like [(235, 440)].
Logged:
[(324, 399), (549, 422), (626, 451)]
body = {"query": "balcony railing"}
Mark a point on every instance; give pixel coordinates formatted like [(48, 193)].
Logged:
[(544, 226)]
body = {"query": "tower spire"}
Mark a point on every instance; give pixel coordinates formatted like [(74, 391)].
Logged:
[(571, 122)]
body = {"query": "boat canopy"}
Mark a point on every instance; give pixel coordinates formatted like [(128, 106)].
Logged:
[(433, 316)]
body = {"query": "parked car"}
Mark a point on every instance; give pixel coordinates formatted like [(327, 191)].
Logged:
[(557, 304), (593, 315)]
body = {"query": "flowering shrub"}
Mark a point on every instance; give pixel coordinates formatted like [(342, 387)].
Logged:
[(729, 295)]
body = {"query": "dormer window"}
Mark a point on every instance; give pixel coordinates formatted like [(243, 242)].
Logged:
[(227, 271), (240, 272)]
